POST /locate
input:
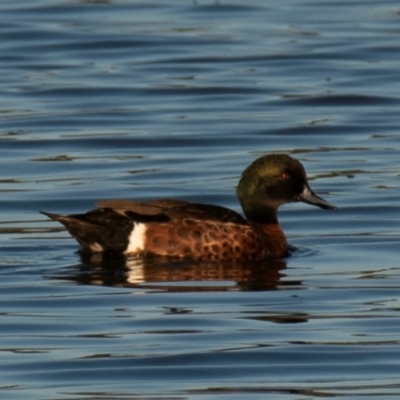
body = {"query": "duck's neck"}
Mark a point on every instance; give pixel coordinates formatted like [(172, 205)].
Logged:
[(263, 215)]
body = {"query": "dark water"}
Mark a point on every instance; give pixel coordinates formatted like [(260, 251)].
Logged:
[(119, 99)]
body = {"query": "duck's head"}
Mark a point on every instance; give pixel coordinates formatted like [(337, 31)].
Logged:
[(271, 181)]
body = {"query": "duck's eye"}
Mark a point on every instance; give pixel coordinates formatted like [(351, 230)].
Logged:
[(284, 176)]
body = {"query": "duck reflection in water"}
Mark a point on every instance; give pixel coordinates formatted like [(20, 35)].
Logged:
[(118, 270)]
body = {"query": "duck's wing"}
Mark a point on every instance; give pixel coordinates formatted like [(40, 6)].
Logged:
[(110, 227), (163, 210)]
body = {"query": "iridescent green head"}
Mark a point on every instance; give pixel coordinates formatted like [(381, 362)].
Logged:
[(271, 181)]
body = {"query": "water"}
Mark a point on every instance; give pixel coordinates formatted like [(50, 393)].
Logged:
[(102, 99)]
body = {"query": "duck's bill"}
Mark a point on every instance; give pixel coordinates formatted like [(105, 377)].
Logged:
[(309, 197)]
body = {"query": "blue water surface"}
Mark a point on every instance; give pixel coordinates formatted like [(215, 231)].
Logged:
[(128, 99)]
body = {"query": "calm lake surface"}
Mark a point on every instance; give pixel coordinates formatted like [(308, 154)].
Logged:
[(128, 99)]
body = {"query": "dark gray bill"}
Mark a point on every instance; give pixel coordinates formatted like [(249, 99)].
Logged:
[(309, 197)]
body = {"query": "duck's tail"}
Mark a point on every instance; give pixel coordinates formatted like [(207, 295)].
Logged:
[(96, 231)]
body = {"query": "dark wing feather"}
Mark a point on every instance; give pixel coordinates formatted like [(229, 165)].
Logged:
[(167, 209)]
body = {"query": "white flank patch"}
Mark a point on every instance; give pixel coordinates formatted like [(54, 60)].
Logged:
[(136, 239)]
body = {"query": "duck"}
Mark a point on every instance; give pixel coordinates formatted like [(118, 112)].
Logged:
[(180, 229)]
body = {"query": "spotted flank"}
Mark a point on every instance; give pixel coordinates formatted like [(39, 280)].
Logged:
[(211, 240), (180, 229)]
